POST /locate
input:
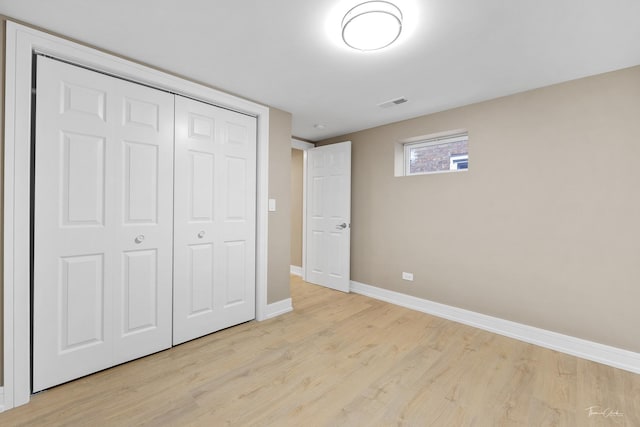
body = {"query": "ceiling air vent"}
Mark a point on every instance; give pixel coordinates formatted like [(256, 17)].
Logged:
[(393, 102)]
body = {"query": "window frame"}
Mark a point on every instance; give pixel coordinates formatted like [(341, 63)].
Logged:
[(456, 160), (429, 142)]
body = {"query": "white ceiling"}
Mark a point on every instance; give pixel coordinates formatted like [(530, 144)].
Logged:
[(287, 54)]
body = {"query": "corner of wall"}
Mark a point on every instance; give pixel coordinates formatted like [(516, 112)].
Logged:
[(280, 220)]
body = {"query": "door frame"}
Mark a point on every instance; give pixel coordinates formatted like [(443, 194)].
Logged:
[(21, 43), (303, 146)]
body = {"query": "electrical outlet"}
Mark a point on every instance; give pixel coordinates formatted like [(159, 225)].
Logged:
[(407, 276)]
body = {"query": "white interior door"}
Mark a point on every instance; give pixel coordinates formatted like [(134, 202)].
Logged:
[(102, 222), (328, 215), (215, 219)]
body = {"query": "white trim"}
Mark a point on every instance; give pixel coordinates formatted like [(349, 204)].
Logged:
[(296, 271), (301, 145), (21, 42), (304, 215), (2, 408), (612, 356), (434, 136), (278, 308), (437, 172), (430, 142)]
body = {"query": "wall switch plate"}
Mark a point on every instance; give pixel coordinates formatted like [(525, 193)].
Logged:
[(407, 276), (272, 205)]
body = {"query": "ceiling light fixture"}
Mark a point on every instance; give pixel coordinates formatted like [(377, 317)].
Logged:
[(372, 25)]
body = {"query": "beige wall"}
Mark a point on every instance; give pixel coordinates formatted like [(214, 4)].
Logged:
[(280, 220), (543, 229), (297, 163), (279, 187)]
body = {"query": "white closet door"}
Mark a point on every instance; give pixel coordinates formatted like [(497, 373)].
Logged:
[(215, 204), (102, 222)]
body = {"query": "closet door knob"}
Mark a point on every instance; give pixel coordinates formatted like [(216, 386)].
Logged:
[(139, 239), (201, 234)]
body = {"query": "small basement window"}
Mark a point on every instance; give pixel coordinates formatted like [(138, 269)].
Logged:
[(435, 155)]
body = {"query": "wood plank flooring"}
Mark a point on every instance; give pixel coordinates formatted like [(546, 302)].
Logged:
[(344, 360)]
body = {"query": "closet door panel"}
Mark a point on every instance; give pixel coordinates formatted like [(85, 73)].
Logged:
[(214, 239), (73, 271), (99, 298), (143, 297)]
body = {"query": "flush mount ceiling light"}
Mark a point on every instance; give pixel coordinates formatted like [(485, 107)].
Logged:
[(372, 25)]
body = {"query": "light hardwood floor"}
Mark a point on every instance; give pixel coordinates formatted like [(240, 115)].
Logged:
[(344, 360)]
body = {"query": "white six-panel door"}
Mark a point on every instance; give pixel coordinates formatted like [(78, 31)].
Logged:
[(328, 215), (215, 214), (102, 222)]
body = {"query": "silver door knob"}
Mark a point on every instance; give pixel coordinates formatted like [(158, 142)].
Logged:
[(341, 226), (139, 239), (201, 234)]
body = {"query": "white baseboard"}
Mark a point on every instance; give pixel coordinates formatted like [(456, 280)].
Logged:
[(278, 308), (612, 356), (1, 399), (296, 271)]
